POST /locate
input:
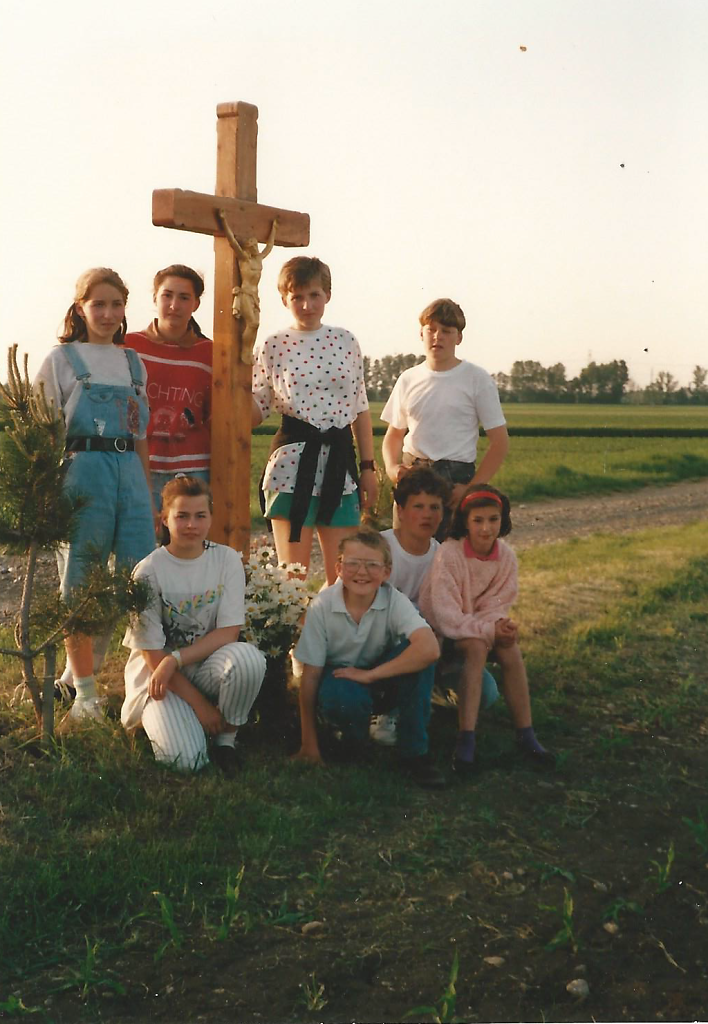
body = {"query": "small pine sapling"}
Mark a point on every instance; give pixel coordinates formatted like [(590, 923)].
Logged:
[(37, 514)]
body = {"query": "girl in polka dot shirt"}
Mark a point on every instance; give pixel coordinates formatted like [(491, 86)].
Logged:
[(313, 375)]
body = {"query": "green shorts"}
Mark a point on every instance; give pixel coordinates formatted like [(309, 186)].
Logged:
[(278, 504)]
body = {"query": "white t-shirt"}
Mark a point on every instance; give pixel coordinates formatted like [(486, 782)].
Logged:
[(190, 597), (408, 571), (107, 364), (315, 376), (443, 409)]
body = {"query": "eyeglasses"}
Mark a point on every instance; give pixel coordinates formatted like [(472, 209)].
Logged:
[(352, 564)]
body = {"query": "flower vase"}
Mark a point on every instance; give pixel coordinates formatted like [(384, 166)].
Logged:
[(273, 701)]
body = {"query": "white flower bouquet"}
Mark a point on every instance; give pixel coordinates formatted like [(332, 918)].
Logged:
[(275, 603)]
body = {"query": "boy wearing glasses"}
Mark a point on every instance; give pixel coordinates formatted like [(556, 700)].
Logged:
[(364, 644)]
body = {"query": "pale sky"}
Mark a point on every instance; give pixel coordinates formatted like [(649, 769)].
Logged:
[(434, 156)]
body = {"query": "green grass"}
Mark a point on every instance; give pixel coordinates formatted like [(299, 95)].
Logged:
[(533, 414), (564, 467), (554, 467), (119, 877)]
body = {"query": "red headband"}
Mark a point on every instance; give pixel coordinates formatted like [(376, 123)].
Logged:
[(480, 494)]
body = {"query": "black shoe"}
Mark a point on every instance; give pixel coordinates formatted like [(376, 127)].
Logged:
[(423, 772), (542, 759), (65, 693), (465, 770), (226, 759)]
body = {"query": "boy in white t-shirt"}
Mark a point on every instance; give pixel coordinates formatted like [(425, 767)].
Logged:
[(420, 500), (436, 408)]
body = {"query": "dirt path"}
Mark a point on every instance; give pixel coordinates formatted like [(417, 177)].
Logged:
[(543, 522), (540, 522)]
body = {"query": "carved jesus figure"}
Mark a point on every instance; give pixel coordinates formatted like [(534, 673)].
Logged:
[(246, 306)]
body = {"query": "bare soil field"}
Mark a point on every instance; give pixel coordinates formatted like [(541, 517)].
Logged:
[(544, 522)]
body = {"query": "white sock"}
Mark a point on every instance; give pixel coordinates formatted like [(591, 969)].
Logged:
[(100, 648), (226, 739), (85, 687)]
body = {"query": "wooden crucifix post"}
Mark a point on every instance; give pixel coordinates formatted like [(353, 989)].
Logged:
[(236, 195)]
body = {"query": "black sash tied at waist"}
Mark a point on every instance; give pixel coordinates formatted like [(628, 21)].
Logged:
[(342, 458)]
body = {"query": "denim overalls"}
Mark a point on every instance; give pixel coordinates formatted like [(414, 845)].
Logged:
[(118, 517)]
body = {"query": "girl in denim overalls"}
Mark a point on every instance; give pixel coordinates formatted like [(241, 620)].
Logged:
[(100, 389)]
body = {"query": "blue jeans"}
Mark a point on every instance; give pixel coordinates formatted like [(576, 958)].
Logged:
[(348, 705), (118, 517)]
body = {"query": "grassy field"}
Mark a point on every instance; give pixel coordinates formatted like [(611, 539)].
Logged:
[(543, 467), (537, 414), (301, 894)]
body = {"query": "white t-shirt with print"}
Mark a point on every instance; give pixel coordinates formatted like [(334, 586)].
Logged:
[(315, 376), (443, 409), (190, 598)]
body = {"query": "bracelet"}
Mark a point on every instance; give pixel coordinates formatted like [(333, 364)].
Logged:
[(367, 464), (177, 655)]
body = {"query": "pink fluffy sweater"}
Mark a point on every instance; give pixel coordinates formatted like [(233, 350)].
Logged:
[(463, 597)]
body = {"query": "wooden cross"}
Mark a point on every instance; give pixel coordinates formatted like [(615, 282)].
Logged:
[(236, 195)]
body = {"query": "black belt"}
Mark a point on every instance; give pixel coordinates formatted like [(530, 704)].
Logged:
[(454, 470), (100, 444)]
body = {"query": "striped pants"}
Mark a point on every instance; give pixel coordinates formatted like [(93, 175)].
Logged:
[(231, 678)]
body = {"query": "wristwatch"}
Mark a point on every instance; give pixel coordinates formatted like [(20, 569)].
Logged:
[(367, 464), (177, 655)]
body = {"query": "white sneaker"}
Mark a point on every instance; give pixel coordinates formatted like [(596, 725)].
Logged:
[(383, 729), (93, 707)]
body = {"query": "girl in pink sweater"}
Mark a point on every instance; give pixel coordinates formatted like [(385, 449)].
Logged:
[(466, 597)]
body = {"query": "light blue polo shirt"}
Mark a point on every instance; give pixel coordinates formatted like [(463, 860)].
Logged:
[(330, 635)]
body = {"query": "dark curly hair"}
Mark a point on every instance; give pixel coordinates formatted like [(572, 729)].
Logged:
[(421, 481), (458, 527)]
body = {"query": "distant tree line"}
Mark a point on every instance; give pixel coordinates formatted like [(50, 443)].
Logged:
[(381, 374), (529, 381), (665, 390), (603, 383)]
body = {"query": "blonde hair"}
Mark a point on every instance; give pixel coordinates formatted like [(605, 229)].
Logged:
[(371, 539), (74, 325)]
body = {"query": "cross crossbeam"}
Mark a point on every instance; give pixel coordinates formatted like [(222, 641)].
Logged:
[(235, 194), (195, 211)]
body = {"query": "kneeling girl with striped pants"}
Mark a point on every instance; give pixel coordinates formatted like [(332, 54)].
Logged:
[(188, 677)]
